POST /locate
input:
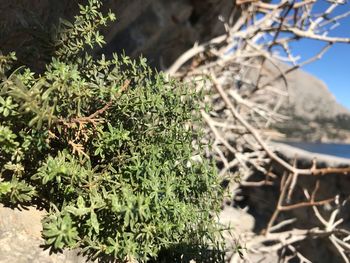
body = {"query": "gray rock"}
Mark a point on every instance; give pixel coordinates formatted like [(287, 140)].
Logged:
[(314, 114), (158, 29), (162, 30), (237, 219), (20, 239)]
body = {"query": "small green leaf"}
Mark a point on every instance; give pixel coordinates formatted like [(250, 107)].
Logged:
[(5, 187), (81, 202), (94, 222)]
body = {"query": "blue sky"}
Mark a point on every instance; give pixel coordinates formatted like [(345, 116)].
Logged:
[(334, 67)]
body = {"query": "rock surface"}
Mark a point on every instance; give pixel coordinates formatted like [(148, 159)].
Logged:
[(310, 97), (162, 30), (159, 29), (314, 114), (20, 239), (312, 110)]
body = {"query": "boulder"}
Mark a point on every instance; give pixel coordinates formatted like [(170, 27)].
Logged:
[(21, 242)]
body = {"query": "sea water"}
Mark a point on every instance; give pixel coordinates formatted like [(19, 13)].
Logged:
[(335, 149)]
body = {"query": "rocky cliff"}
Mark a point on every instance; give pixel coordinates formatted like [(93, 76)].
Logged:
[(159, 29), (314, 114)]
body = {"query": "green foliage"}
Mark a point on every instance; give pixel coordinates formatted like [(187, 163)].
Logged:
[(107, 146), (74, 38)]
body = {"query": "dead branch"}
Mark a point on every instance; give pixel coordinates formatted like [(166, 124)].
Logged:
[(246, 82)]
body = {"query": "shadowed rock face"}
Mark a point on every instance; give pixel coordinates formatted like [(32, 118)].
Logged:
[(159, 29), (25, 27)]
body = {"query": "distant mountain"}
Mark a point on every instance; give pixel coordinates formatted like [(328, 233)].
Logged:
[(315, 115), (310, 98)]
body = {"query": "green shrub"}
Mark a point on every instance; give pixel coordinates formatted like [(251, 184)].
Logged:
[(106, 146)]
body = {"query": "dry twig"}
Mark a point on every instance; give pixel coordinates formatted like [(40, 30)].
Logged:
[(242, 70)]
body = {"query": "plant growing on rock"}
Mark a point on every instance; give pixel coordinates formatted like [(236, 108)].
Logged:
[(107, 147)]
